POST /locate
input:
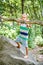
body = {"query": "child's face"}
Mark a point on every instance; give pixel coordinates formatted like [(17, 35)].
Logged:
[(24, 17)]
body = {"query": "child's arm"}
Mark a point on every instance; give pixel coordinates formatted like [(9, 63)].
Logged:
[(28, 25), (18, 21)]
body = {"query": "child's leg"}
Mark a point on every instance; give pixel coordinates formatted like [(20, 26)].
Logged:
[(18, 45), (27, 51), (26, 56), (18, 41), (25, 43)]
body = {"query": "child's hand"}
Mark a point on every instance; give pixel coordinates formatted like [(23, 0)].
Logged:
[(29, 25)]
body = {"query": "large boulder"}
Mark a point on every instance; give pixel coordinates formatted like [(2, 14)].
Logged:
[(10, 55)]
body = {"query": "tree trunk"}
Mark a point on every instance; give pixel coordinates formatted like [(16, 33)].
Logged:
[(22, 4)]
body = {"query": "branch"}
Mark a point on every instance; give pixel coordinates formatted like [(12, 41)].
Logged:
[(7, 19), (39, 22)]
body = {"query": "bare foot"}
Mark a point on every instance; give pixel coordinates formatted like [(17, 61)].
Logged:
[(26, 56)]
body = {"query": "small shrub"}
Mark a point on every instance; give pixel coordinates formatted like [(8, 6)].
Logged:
[(39, 41)]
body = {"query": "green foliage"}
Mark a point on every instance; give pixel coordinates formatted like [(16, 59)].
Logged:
[(8, 31), (39, 41), (34, 8), (13, 8)]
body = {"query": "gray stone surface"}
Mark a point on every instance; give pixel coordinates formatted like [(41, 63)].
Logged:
[(10, 55)]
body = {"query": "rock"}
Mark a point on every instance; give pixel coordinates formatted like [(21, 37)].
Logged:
[(40, 58), (10, 55)]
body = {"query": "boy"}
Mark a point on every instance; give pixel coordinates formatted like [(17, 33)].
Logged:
[(23, 36)]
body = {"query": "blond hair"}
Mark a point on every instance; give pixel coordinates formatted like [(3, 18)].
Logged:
[(24, 14)]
